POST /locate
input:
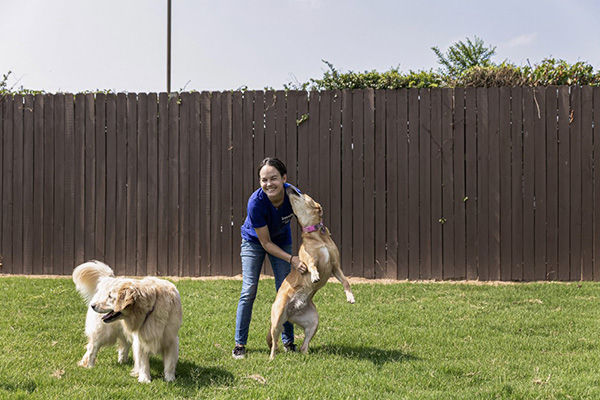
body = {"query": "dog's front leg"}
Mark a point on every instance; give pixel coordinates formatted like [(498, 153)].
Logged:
[(339, 275), (311, 265), (89, 358), (141, 362)]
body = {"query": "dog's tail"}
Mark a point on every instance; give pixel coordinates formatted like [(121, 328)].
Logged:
[(86, 277)]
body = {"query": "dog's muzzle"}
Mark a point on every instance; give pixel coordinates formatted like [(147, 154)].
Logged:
[(111, 316)]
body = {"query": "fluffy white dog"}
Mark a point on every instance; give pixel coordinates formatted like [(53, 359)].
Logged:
[(145, 313)]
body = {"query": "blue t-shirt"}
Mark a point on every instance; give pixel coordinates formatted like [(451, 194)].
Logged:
[(261, 212)]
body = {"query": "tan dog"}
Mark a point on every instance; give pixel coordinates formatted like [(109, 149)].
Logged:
[(322, 258), (144, 312)]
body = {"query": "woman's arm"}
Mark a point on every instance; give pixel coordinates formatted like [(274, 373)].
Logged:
[(274, 250)]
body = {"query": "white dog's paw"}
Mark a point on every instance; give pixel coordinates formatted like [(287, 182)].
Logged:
[(134, 372), (143, 379), (350, 298), (169, 377), (83, 363), (314, 277)]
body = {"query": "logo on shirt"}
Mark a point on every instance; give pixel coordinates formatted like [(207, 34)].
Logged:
[(286, 220)]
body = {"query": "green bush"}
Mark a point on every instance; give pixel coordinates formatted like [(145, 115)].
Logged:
[(559, 72), (491, 76)]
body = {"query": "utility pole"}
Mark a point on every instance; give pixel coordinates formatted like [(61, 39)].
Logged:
[(168, 46)]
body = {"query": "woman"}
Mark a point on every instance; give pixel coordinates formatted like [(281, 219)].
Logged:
[(265, 230)]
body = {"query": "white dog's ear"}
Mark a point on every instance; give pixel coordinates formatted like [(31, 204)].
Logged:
[(126, 296)]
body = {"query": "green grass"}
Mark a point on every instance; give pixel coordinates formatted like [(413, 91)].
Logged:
[(405, 340)]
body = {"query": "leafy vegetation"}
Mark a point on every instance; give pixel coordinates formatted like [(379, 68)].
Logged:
[(462, 56), (401, 340)]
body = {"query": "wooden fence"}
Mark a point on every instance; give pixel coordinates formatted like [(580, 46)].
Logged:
[(489, 184)]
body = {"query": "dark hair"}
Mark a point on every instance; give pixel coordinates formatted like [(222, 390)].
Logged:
[(273, 162)]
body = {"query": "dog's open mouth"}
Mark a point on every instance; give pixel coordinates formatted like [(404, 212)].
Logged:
[(111, 316)]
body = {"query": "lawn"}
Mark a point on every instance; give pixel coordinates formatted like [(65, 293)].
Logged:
[(404, 340)]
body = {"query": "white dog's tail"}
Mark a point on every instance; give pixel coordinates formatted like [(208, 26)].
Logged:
[(86, 277)]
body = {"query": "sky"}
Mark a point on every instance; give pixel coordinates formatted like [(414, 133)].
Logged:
[(121, 45)]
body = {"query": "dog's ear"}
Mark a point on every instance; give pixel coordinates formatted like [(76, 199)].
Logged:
[(126, 296)]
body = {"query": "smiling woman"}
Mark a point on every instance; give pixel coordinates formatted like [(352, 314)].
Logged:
[(266, 230)]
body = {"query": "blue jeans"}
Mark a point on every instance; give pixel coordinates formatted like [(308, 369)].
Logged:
[(253, 255)]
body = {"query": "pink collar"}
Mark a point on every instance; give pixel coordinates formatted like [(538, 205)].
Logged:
[(314, 228)]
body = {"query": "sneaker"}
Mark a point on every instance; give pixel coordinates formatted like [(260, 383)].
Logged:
[(291, 347), (239, 352)]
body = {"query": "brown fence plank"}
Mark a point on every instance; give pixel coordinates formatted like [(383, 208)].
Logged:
[(413, 186), (111, 179), (357, 183), (6, 102), (48, 212), (184, 184), (162, 223), (596, 135), (59, 183), (174, 261), (517, 189), (121, 193), (291, 154), (483, 209), (28, 172), (587, 190), (458, 155), (528, 185), (335, 176), (324, 152), (195, 162), (100, 225), (270, 112), (471, 182), (449, 223), (552, 183), (79, 163), (494, 184), (69, 206), (346, 227), (313, 145), (226, 197), (539, 128), (368, 184), (392, 159), (404, 162), (575, 136), (564, 184), (505, 171), (437, 213), (205, 178), (215, 181), (238, 195), (380, 200), (17, 187), (90, 178), (152, 192), (132, 165), (424, 188), (3, 120), (280, 126), (141, 186)]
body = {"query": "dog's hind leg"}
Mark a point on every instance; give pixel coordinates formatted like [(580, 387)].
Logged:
[(278, 317), (170, 355), (308, 319)]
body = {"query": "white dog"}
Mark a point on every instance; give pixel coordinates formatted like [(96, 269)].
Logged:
[(145, 313)]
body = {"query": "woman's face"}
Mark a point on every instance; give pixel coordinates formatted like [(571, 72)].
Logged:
[(272, 182)]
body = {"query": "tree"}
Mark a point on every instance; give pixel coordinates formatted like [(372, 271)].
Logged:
[(464, 55)]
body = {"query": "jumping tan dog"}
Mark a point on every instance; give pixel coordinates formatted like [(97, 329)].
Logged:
[(322, 258)]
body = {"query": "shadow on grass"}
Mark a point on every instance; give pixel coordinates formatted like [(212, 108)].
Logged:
[(377, 356), (192, 376), (27, 387)]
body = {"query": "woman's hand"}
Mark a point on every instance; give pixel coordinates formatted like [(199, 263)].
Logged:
[(298, 264)]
